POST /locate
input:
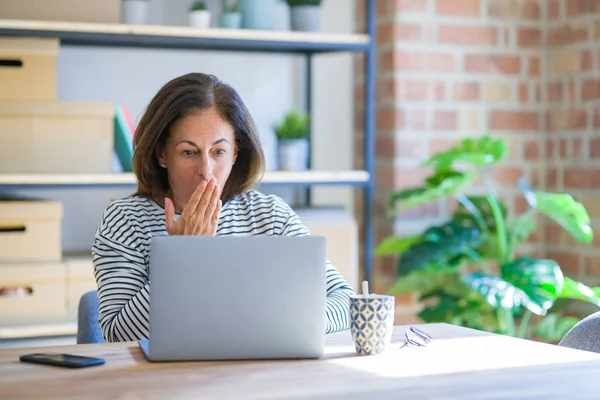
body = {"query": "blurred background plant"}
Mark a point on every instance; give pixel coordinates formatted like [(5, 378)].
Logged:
[(467, 270)]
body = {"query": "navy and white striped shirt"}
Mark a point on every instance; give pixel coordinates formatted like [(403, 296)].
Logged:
[(121, 252)]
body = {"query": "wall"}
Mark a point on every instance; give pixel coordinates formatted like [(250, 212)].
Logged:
[(270, 84), (573, 137), (449, 69)]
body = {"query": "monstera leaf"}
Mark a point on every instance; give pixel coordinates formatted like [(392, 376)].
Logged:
[(577, 290), (541, 280), (497, 292), (394, 245), (554, 327), (477, 210), (563, 209), (439, 186), (520, 228), (428, 279), (481, 151), (442, 246)]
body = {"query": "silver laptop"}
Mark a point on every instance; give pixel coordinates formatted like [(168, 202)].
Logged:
[(236, 297)]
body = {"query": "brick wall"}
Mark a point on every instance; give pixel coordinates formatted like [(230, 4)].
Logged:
[(522, 69), (573, 134)]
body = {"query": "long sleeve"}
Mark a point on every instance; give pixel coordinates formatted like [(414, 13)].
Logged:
[(121, 275), (337, 303)]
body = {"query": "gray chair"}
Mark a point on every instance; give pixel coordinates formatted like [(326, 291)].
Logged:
[(88, 328), (585, 335)]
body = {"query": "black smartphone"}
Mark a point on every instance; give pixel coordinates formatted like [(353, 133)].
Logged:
[(62, 360)]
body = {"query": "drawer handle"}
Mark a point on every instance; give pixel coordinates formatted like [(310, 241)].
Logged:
[(15, 228), (19, 291), (11, 63)]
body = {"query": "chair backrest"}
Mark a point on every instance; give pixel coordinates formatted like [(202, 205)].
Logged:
[(88, 328), (585, 335)]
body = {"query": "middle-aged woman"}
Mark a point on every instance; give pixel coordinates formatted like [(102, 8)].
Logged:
[(197, 156)]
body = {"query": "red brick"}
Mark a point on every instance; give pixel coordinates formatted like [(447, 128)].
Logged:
[(413, 90), (554, 11), (411, 148), (597, 117), (570, 262), (572, 90), (425, 61), (531, 150), (385, 147), (567, 34), (590, 89), (492, 64), (466, 8), (385, 61), (581, 178), (383, 8), (386, 91), (566, 119), (529, 37), (439, 145), (514, 120), (587, 62), (578, 148), (445, 120), (508, 176), (389, 118), (467, 35), (411, 6), (535, 67), (555, 92), (510, 10), (390, 32), (550, 149), (582, 7), (592, 266), (563, 148), (552, 179), (466, 91), (420, 119), (523, 93), (595, 147), (408, 177), (430, 210)]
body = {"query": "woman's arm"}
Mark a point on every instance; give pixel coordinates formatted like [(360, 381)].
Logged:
[(337, 303), (121, 274)]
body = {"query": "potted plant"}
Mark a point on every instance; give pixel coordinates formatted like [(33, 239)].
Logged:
[(199, 16), (468, 270), (305, 15), (231, 17), (292, 142), (134, 12)]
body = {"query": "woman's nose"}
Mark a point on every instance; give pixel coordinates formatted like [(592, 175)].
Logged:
[(205, 168)]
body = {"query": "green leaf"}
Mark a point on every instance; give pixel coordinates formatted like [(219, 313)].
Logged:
[(482, 208), (438, 186), (394, 245), (497, 292), (520, 228), (563, 209), (540, 280), (442, 246), (479, 152), (577, 290), (426, 280), (554, 327)]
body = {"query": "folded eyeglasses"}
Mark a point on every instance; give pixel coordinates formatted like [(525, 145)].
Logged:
[(417, 337)]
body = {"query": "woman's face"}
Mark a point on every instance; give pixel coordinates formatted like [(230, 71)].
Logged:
[(200, 146)]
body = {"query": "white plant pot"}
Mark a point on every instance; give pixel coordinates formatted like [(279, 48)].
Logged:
[(134, 12), (293, 154), (200, 19), (305, 18)]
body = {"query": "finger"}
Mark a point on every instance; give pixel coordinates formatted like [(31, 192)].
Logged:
[(192, 204), (215, 218), (204, 201), (169, 214), (212, 205)]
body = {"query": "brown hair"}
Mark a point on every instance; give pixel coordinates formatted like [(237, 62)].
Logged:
[(180, 97)]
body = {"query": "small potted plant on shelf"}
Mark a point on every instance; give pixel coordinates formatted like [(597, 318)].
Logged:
[(134, 12), (305, 15), (199, 15), (292, 142), (231, 17)]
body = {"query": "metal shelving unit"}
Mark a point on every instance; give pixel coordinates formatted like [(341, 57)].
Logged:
[(306, 44)]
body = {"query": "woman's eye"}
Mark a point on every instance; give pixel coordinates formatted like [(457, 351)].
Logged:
[(220, 152), (188, 153)]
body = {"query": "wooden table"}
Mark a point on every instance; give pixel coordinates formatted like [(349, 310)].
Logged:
[(459, 364)]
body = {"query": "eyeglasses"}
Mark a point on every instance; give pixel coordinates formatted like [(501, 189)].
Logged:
[(417, 337)]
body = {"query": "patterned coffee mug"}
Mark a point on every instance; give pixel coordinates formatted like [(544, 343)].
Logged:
[(372, 322)]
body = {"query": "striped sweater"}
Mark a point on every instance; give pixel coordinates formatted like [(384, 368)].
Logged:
[(121, 252)]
